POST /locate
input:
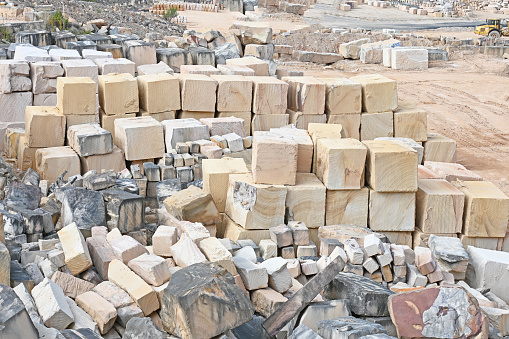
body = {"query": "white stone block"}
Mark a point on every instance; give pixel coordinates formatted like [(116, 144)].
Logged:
[(409, 59)]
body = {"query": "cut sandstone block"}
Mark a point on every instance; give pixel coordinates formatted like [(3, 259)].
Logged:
[(391, 167), (269, 95), (304, 146), (340, 163), (376, 125), (53, 161), (151, 268), (185, 252), (234, 93), (101, 254), (260, 67), (305, 94), (342, 96), (255, 206), (44, 126), (216, 252), (127, 248), (486, 209), (222, 126), (76, 96), (101, 311), (119, 65), (216, 176), (322, 131), (305, 201), (163, 238), (159, 92), (264, 122), (274, 159), (379, 93), (89, 139), (77, 257), (391, 211), (51, 305), (118, 94), (451, 171), (193, 205), (199, 69), (139, 138), (198, 92), (410, 122), (302, 121), (439, 148), (347, 207), (439, 207), (235, 70), (144, 296), (245, 116), (114, 161)]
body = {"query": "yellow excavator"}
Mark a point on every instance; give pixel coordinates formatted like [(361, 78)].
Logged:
[(494, 28)]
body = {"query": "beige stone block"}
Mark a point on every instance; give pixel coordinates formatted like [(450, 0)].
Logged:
[(236, 70), (390, 167), (439, 207), (53, 161), (199, 69), (163, 238), (246, 116), (391, 211), (266, 301), (302, 121), (269, 95), (144, 296), (118, 94), (195, 115), (410, 122), (439, 148), (274, 159), (89, 139), (198, 92), (26, 155), (319, 131), (108, 121), (139, 138), (426, 173), (151, 268), (12, 138), (158, 92), (77, 257), (216, 252), (236, 232), (400, 238), (216, 178), (495, 244), (78, 119), (260, 67), (101, 311), (161, 116), (305, 94), (304, 146), (379, 93), (340, 163), (114, 161), (234, 93), (376, 125), (342, 96), (264, 122), (421, 239), (351, 124), (223, 126), (451, 171), (255, 206), (347, 207), (305, 201), (486, 209), (194, 205), (44, 126), (76, 95)]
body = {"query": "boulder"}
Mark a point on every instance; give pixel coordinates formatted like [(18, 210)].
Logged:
[(189, 309), (138, 328), (14, 319)]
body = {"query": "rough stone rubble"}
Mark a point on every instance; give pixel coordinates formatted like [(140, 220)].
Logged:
[(198, 198)]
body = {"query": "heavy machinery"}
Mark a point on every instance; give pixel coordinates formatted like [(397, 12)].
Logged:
[(494, 28)]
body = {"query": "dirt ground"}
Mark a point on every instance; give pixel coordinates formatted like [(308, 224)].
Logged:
[(466, 99)]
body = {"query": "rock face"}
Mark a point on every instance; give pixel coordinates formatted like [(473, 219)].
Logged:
[(14, 319), (84, 207), (444, 312), (366, 297), (202, 300)]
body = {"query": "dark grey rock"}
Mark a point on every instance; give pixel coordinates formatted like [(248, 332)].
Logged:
[(167, 188), (348, 327), (23, 195), (81, 333), (81, 45), (126, 211), (174, 57), (386, 322), (304, 332), (140, 328), (151, 171), (202, 56), (226, 51), (35, 38), (127, 185), (20, 276), (188, 303), (15, 323), (99, 181), (251, 330), (99, 39), (13, 223), (366, 297), (84, 207), (31, 177)]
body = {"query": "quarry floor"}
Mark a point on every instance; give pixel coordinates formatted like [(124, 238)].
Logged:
[(466, 99)]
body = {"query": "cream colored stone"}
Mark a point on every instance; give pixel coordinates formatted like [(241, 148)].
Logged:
[(139, 138), (44, 126), (379, 93), (118, 94), (77, 257), (159, 92), (198, 92), (53, 161), (76, 95)]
